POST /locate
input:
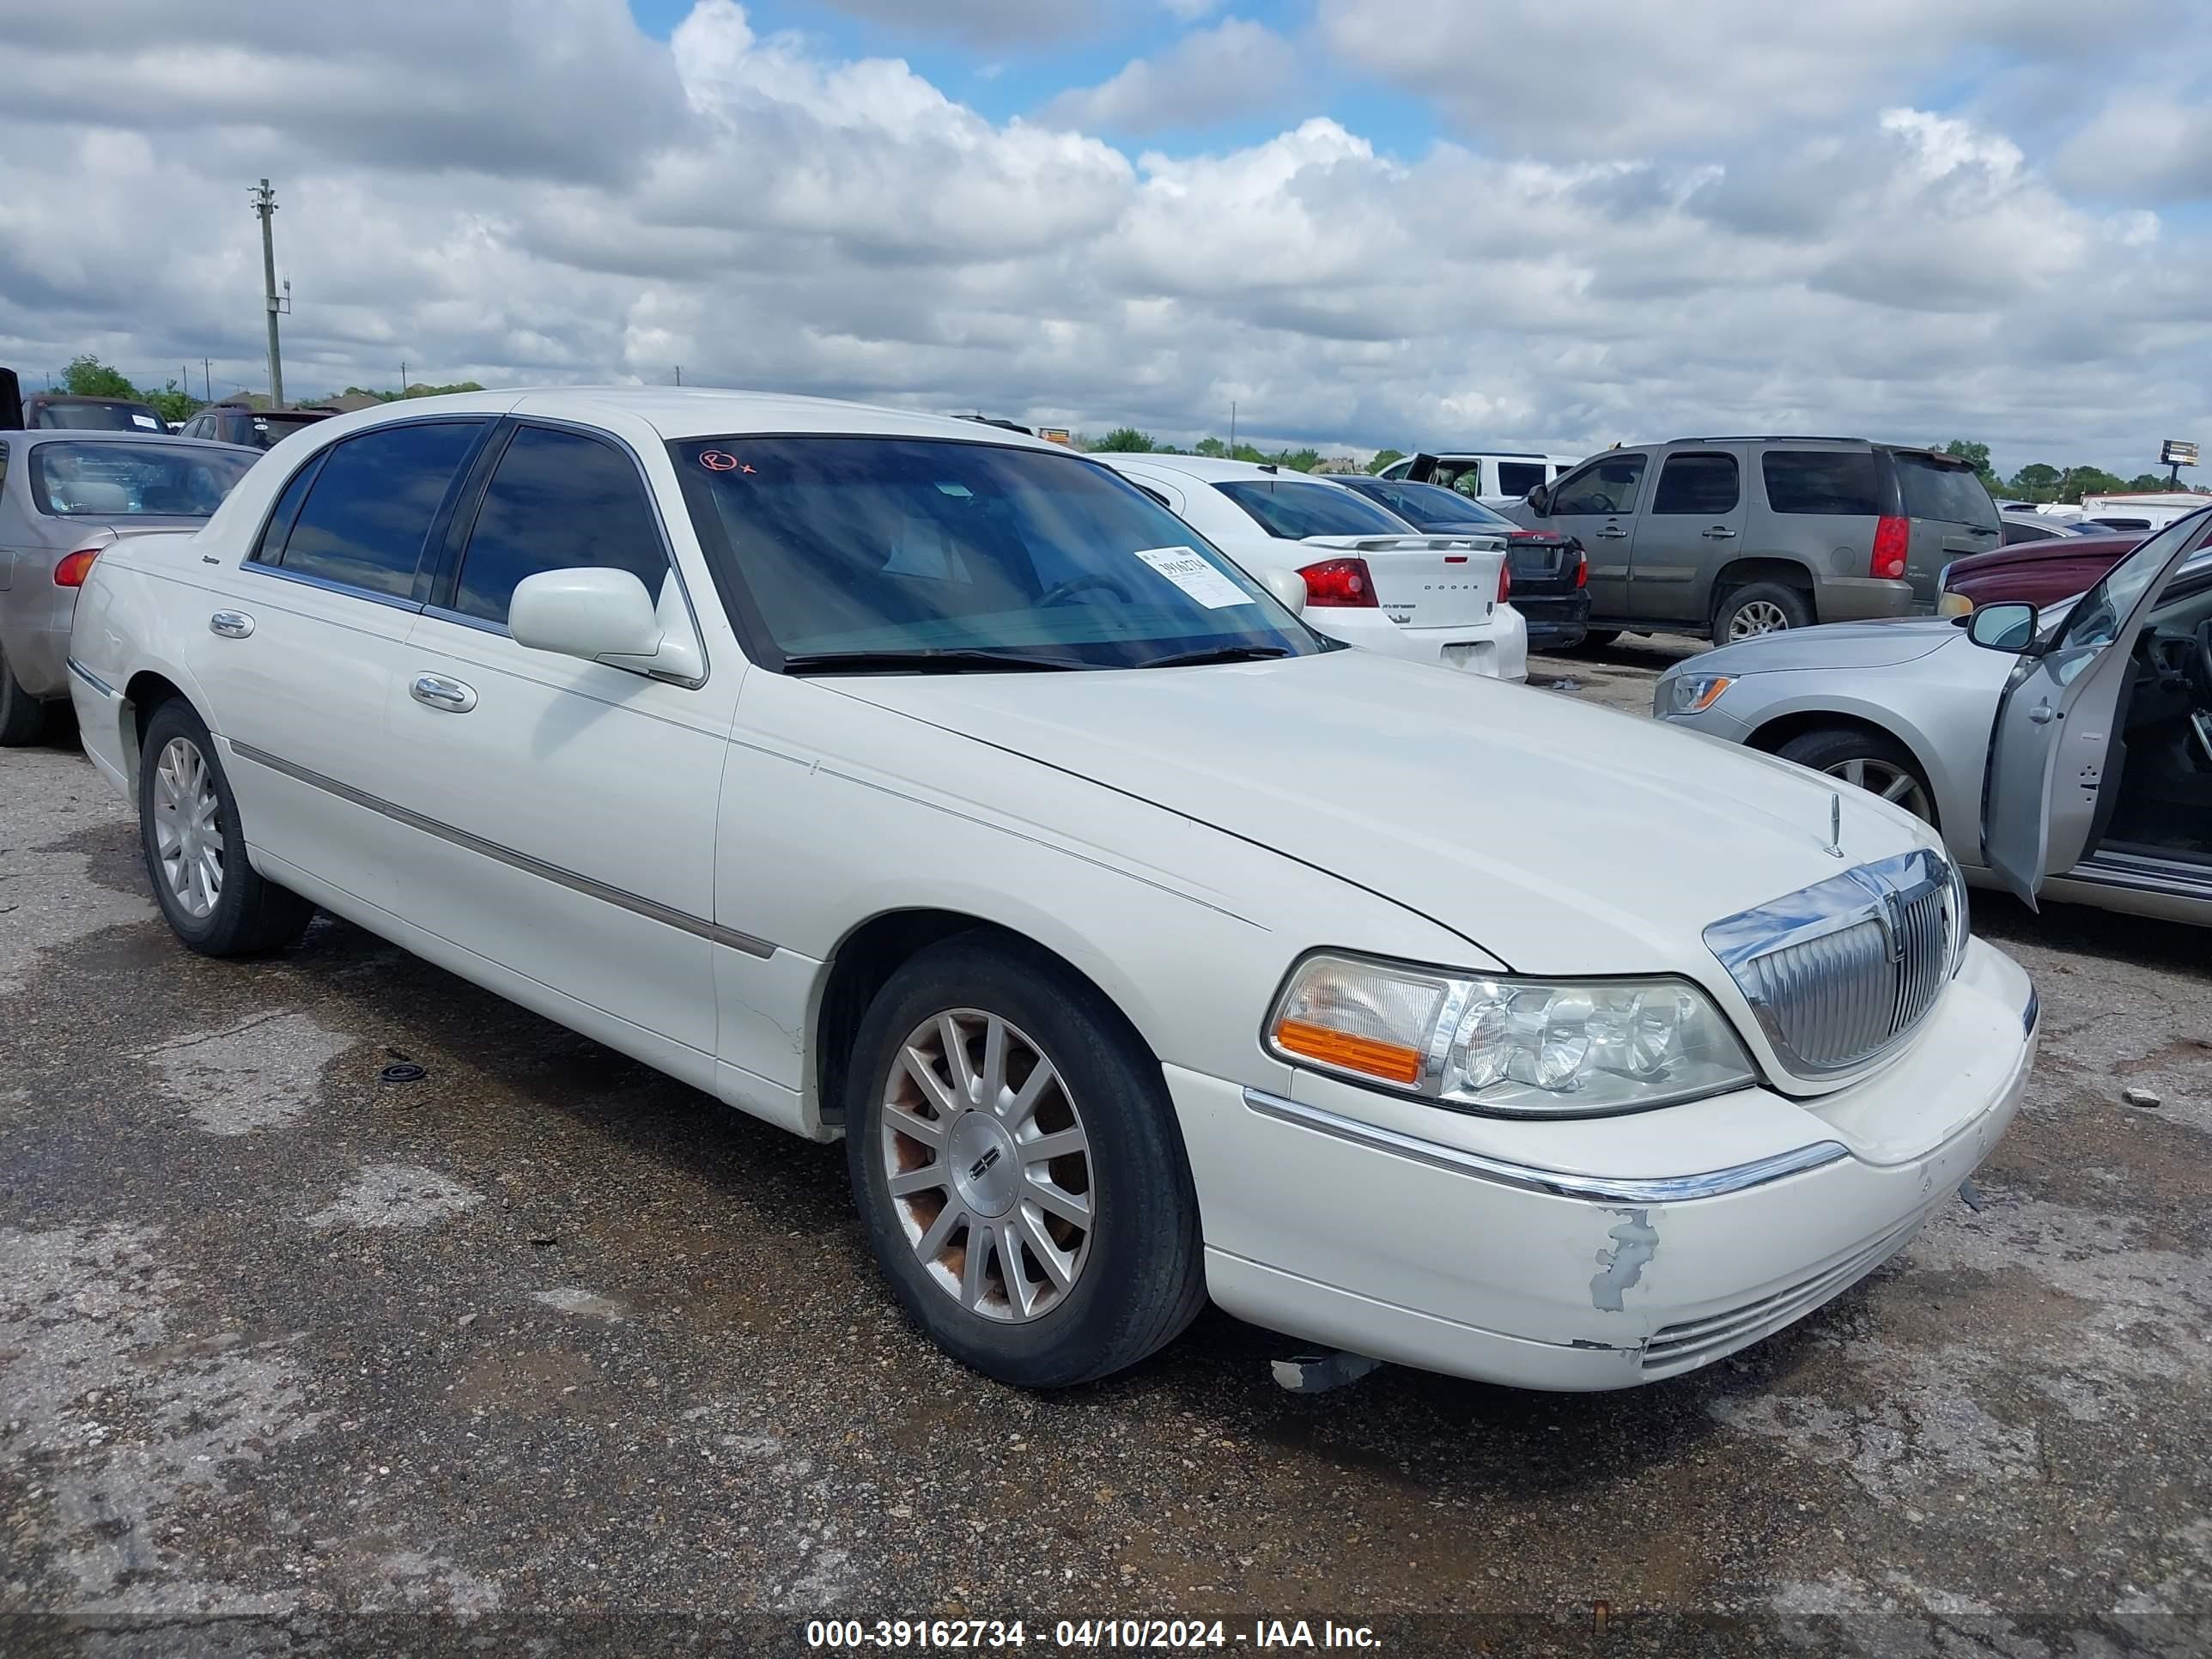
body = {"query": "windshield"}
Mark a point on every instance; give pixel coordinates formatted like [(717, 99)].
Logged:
[(2106, 607), (875, 546), (1431, 507), (98, 417), (266, 429), (120, 480), (1295, 508)]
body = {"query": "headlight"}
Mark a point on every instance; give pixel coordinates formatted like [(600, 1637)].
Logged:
[(1954, 604), (1516, 1046), (1693, 694)]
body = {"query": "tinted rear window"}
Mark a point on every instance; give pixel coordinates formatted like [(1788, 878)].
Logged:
[(372, 504), (1295, 508), (1951, 494), (97, 417), (95, 480), (1828, 481), (1519, 477)]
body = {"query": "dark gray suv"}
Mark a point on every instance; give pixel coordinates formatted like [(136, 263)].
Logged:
[(1731, 537)]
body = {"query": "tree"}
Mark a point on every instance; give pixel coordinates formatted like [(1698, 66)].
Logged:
[(1126, 440), (1212, 448), (1975, 455), (172, 404), (1383, 458), (2037, 482), (421, 390), (1299, 460), (88, 377), (2090, 481)]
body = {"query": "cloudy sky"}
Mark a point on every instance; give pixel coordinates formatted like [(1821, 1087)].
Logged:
[(1541, 223)]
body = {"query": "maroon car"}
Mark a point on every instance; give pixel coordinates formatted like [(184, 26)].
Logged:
[(2042, 572)]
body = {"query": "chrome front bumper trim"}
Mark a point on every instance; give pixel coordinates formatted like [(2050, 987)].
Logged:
[(1557, 1183), (90, 679)]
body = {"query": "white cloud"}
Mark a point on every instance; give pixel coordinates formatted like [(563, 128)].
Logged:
[(2148, 142), (980, 22), (764, 216), (1232, 68)]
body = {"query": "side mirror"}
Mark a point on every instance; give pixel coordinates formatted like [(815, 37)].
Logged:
[(1287, 585), (1539, 500), (591, 613), (2009, 626)]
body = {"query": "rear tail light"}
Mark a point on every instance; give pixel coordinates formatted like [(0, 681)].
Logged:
[(1341, 582), (1582, 568), (75, 568), (1505, 582), (1891, 539)]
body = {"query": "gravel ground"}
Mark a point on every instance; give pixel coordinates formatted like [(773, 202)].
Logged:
[(546, 1353)]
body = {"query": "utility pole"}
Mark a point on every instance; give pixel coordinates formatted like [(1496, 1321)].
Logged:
[(207, 376), (403, 377), (1232, 420), (679, 374), (265, 205)]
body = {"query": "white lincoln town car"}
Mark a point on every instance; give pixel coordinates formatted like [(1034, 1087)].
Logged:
[(909, 781)]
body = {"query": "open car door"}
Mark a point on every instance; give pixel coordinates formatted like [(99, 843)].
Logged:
[(2054, 725), (1422, 471)]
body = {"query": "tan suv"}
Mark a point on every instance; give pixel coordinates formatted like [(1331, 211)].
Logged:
[(1727, 537)]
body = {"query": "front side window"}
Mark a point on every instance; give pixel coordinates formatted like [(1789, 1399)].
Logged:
[(1519, 477), (1607, 486), (126, 480), (887, 551), (557, 501), (1843, 483), (1706, 486), (1295, 508), (372, 505), (2104, 608)]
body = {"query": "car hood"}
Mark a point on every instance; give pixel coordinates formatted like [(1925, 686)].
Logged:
[(1831, 644), (1559, 837)]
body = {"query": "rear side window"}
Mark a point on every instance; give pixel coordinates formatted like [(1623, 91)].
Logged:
[(1295, 509), (1607, 486), (373, 503), (557, 501), (1705, 485), (1951, 494), (1846, 483), (1519, 477)]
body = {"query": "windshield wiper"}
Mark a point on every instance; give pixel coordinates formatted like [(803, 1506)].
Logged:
[(922, 662), (1221, 653)]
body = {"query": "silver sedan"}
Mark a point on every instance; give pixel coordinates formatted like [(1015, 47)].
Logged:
[(2066, 752)]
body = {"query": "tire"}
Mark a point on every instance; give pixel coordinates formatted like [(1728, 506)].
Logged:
[(1596, 639), (22, 716), (1134, 1276), (245, 914), (1761, 608), (1870, 760)]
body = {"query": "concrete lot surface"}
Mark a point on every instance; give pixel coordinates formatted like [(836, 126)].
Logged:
[(545, 1348)]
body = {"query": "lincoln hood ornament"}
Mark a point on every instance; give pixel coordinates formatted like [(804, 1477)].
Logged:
[(1834, 849)]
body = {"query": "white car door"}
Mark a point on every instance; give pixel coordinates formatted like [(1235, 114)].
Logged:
[(566, 809), (305, 638), (2054, 723)]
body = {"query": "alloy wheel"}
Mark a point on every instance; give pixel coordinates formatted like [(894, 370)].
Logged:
[(988, 1164), (1888, 779), (187, 828), (1759, 616)]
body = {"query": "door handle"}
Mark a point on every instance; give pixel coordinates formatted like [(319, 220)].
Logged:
[(436, 691), (2043, 714), (1720, 533), (231, 624), (1612, 533)]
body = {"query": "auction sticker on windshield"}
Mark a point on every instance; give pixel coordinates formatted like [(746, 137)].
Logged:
[(1188, 569)]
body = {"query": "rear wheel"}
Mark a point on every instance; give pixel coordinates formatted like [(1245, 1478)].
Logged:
[(212, 898), (22, 716), (1019, 1171), (1761, 608), (1868, 760)]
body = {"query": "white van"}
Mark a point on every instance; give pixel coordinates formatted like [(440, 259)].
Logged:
[(1494, 476)]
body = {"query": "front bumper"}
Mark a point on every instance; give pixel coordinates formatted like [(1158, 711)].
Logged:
[(1518, 1252), (1496, 647)]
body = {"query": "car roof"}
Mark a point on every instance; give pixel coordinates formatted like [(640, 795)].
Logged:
[(1211, 470), (65, 435), (82, 397), (1492, 455), (679, 412)]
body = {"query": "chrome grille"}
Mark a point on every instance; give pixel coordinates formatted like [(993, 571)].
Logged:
[(1847, 968)]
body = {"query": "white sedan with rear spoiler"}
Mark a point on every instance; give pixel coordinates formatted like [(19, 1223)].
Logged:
[(1371, 579)]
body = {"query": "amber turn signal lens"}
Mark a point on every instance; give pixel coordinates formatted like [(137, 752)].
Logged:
[(1390, 1061)]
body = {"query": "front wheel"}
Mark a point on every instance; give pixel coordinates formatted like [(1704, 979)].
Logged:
[(1019, 1175), (213, 901), (1868, 760)]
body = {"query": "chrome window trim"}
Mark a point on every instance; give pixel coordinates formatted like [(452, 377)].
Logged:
[(1863, 893), (329, 587), (1556, 1183), (651, 910)]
